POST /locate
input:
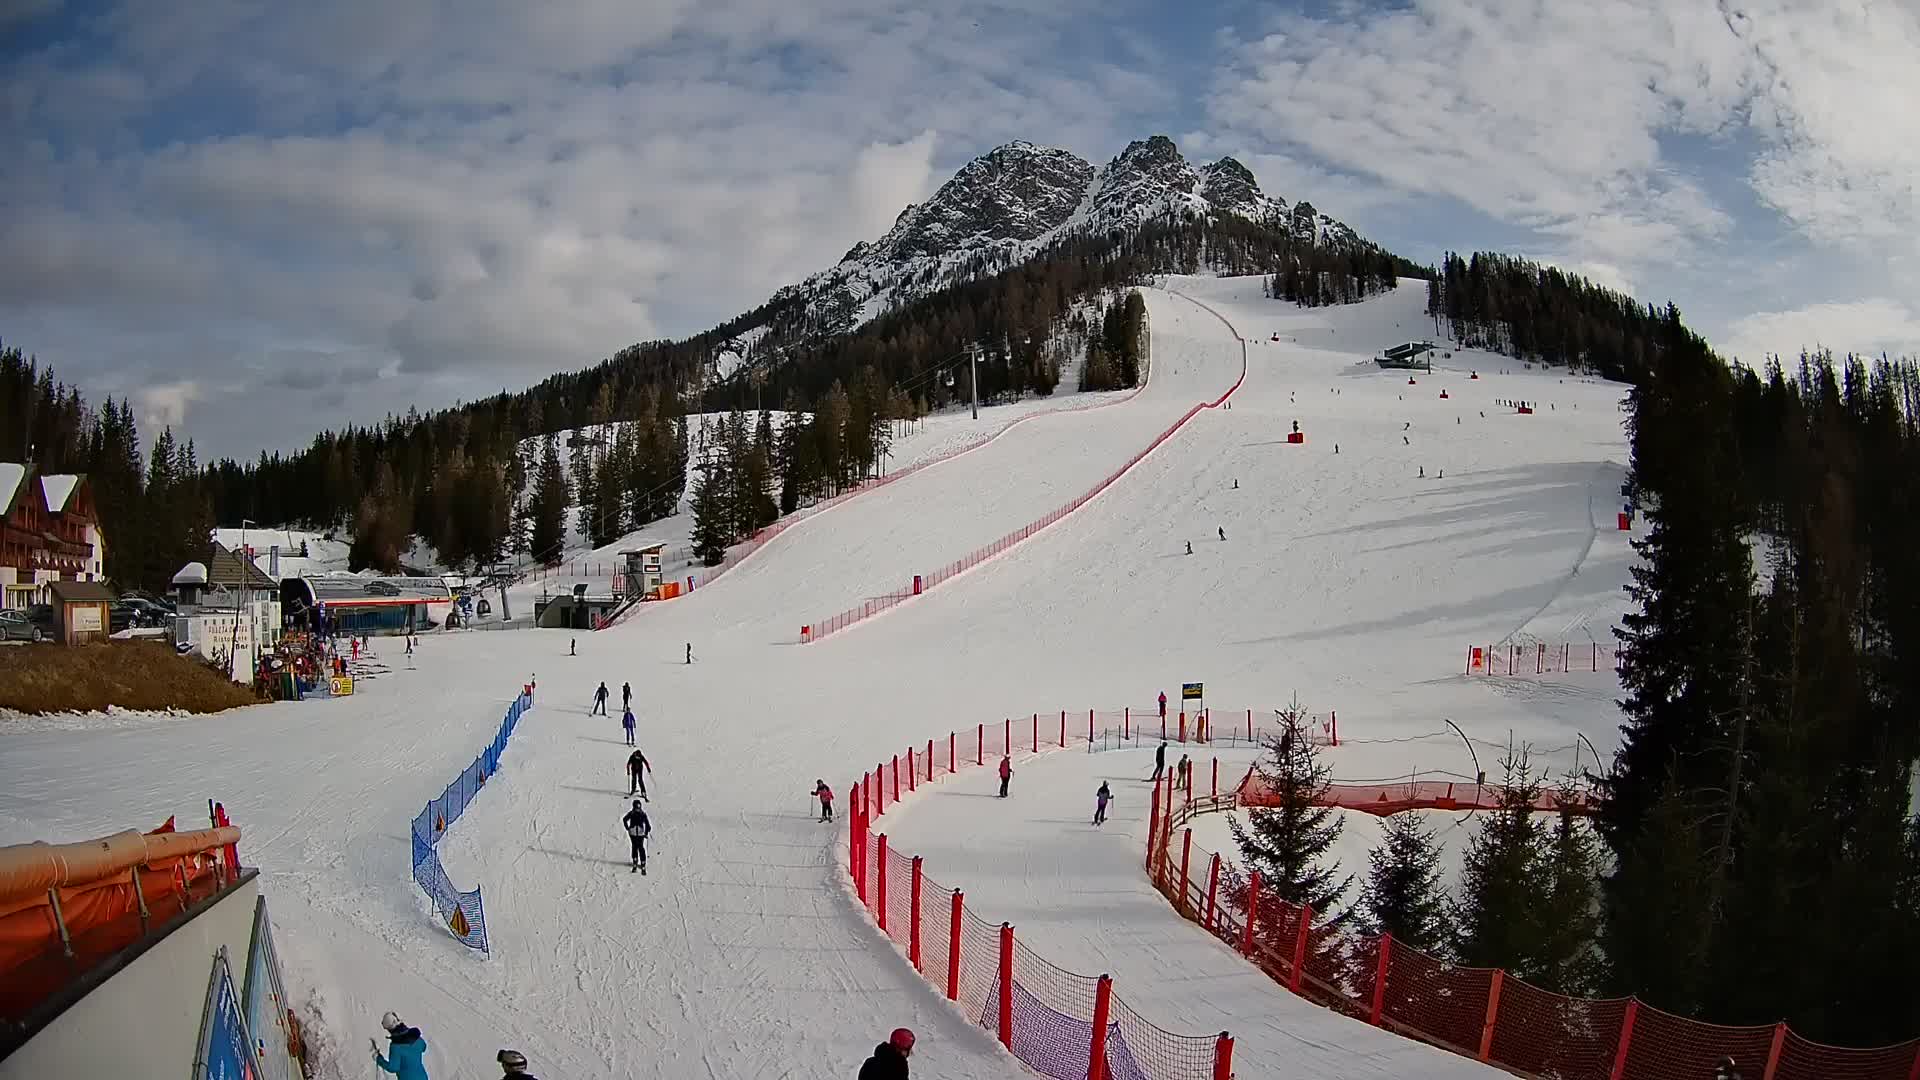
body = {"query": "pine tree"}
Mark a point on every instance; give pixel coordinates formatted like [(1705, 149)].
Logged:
[(1569, 961), (1496, 916), (549, 509), (1288, 843), (711, 513), (1402, 895)]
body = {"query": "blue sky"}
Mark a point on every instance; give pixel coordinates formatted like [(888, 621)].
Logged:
[(260, 219)]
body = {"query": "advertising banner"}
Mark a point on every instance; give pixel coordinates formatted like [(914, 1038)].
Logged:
[(266, 1001), (226, 1051)]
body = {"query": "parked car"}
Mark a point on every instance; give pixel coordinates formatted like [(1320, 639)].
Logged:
[(123, 615), (15, 626), (147, 612)]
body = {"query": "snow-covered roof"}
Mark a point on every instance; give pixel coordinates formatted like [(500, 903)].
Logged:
[(194, 573), (59, 488), (11, 473)]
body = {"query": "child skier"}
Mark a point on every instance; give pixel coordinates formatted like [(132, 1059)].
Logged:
[(636, 763), (825, 794), (638, 829), (1100, 800), (1006, 774), (626, 721)]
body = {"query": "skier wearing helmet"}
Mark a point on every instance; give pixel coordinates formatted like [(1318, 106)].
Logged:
[(825, 794), (889, 1060), (513, 1065), (638, 829), (404, 1050)]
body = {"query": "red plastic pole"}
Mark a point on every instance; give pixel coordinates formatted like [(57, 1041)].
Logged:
[(1036, 733), (1333, 724), (1493, 1014), (1213, 889), (929, 760), (1186, 856), (1063, 728), (1773, 1052), (896, 778), (1223, 1058), (913, 931), (858, 855), (880, 791), (1126, 722), (1153, 827), (1300, 948), (1006, 737), (913, 774), (1006, 985), (1089, 727), (1163, 727), (854, 795), (1183, 725), (980, 748), (1380, 978), (1102, 1006), (880, 908), (1253, 913), (1216, 778), (952, 739), (953, 946), (1626, 1040)]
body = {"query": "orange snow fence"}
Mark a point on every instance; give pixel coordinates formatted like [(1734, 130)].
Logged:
[(1391, 798), (65, 907)]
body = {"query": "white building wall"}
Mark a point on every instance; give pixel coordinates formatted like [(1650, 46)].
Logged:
[(145, 1020)]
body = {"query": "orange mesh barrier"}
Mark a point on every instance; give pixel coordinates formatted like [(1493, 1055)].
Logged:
[(1487, 1014)]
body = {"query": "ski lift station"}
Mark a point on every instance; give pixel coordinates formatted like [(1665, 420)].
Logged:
[(1413, 355), (351, 604)]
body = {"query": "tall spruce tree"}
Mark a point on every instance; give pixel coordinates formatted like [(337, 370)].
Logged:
[(1496, 916), (1289, 842), (711, 512), (1402, 894), (548, 516)]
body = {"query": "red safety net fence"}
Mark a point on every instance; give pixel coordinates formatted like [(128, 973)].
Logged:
[(1059, 1023), (1133, 727), (1392, 796), (874, 605), (1542, 658), (1482, 1013)]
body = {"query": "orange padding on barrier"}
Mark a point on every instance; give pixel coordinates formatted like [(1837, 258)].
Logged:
[(29, 870), (1384, 799)]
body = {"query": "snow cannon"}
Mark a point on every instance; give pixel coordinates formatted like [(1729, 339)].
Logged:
[(1525, 410), (1473, 375), (1626, 522), (1296, 437), (1443, 395), (806, 634)]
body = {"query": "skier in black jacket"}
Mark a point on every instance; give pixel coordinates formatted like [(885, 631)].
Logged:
[(637, 766), (638, 829), (889, 1060), (513, 1065)]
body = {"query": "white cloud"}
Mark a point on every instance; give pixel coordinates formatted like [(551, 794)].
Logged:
[(1868, 327), (1560, 118), (165, 404)]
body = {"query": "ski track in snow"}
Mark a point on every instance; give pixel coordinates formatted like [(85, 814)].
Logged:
[(1344, 578)]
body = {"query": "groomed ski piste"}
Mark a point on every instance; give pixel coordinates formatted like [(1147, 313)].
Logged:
[(1344, 578)]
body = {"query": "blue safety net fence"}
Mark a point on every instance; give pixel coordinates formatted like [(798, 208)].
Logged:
[(461, 911)]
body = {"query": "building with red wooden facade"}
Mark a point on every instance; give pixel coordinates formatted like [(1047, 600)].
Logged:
[(49, 531)]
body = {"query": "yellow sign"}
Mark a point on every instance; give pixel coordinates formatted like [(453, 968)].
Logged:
[(342, 685), (458, 923)]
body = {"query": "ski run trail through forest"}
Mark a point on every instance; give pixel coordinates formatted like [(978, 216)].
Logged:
[(1345, 578)]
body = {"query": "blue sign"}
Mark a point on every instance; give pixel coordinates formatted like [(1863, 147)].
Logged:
[(265, 1000), (226, 1053)]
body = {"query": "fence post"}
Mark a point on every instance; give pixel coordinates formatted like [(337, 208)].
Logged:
[(1626, 1040), (1186, 854), (896, 778), (913, 933), (879, 791), (1380, 978), (1036, 734), (1216, 778), (880, 905), (1773, 1052), (1223, 1057), (980, 748), (855, 864), (1006, 736), (953, 946), (1126, 723), (1102, 1006), (1253, 912), (1089, 727), (952, 738), (1493, 1013), (1300, 936), (1006, 985), (1333, 727), (1153, 827), (1183, 725), (1063, 729), (913, 774), (1213, 889), (929, 761)]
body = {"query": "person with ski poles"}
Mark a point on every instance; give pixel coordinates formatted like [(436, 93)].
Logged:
[(599, 702), (1006, 774), (405, 1049), (626, 721), (638, 829), (825, 794), (1100, 800), (626, 695), (636, 762)]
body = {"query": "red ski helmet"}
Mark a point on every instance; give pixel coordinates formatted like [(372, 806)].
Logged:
[(901, 1040)]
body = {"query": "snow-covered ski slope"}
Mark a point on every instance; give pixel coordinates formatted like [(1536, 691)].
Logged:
[(1345, 578)]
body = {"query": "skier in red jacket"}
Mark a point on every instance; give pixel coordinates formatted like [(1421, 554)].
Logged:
[(825, 794), (1006, 774)]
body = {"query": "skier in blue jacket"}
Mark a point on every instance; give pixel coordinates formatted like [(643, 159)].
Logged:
[(405, 1049)]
